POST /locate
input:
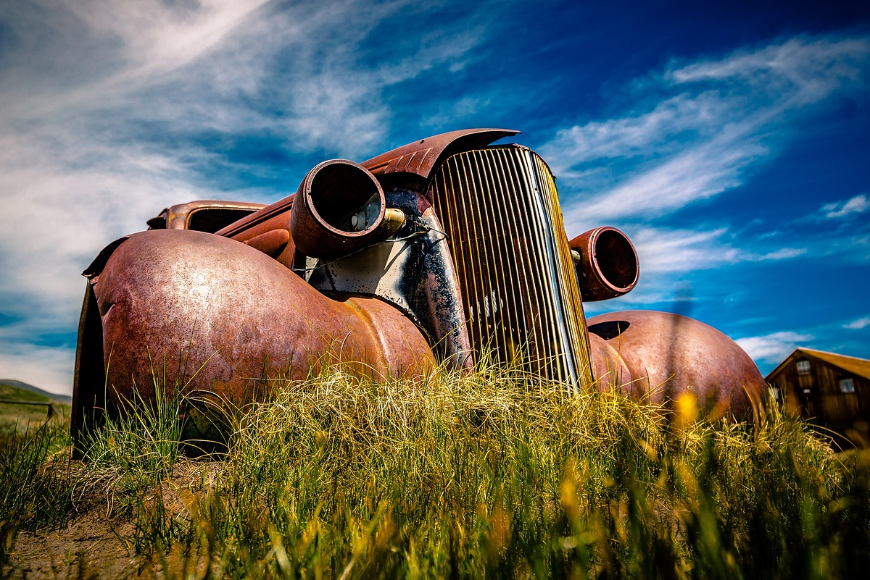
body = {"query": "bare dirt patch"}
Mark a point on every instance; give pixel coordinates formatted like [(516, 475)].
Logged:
[(97, 543), (92, 546)]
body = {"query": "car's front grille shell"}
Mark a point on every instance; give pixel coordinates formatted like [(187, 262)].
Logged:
[(502, 220)]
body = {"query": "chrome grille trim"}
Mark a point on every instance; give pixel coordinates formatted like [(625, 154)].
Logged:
[(500, 212)]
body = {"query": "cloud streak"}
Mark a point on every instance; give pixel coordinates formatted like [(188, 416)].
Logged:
[(704, 125), (849, 208), (773, 348), (858, 324), (683, 250)]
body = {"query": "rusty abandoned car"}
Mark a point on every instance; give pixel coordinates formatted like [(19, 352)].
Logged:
[(434, 252)]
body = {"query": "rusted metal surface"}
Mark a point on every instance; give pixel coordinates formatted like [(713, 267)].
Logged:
[(179, 216), (608, 265), (220, 317), (272, 243), (608, 367), (503, 225), (413, 164), (263, 214), (667, 354), (267, 230), (412, 270), (338, 209)]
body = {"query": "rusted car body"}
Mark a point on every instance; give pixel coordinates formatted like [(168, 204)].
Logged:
[(435, 252), (204, 215)]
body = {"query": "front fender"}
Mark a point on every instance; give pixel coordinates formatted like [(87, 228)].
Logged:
[(659, 356), (212, 315)]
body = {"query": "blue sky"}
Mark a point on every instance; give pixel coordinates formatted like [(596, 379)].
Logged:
[(729, 140)]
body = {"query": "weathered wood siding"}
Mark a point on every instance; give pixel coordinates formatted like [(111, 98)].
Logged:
[(825, 404)]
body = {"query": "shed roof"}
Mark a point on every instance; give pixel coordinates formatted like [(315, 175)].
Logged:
[(856, 366)]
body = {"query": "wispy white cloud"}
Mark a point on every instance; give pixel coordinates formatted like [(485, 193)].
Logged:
[(104, 52), (635, 135), (704, 125), (858, 324), (296, 71), (102, 103), (796, 72), (683, 250), (850, 207), (670, 257), (688, 176), (158, 37), (773, 348), (842, 238)]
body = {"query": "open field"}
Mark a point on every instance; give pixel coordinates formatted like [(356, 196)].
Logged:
[(23, 416), (495, 474)]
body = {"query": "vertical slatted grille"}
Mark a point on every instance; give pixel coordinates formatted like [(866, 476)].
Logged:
[(501, 214)]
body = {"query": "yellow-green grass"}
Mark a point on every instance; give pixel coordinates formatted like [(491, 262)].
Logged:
[(496, 474)]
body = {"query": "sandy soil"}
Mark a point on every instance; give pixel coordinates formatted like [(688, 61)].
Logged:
[(96, 545), (92, 546)]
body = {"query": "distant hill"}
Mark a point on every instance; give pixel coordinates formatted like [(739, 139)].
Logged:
[(63, 399), (17, 414)]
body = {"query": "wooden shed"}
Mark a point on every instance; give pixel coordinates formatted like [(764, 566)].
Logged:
[(828, 389)]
